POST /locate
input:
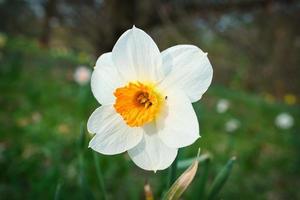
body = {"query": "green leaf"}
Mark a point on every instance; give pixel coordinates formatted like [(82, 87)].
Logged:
[(57, 191), (81, 140), (99, 176), (183, 164), (173, 171), (182, 183), (221, 179), (201, 182), (83, 183)]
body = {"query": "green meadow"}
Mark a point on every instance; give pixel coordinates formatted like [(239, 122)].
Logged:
[(44, 150)]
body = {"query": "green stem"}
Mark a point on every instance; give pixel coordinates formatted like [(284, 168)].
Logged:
[(82, 180), (173, 172), (57, 191), (99, 175), (203, 179)]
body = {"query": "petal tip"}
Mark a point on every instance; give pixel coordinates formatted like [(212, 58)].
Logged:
[(89, 130), (91, 144)]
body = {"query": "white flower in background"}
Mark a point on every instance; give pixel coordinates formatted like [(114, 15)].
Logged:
[(284, 121), (146, 97), (232, 125), (82, 75), (222, 105)]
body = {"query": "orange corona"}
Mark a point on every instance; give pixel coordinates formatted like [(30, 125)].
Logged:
[(137, 103)]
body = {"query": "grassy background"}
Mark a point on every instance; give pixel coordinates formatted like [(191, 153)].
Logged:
[(42, 110)]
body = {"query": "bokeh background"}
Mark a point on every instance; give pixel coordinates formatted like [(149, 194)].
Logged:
[(48, 49)]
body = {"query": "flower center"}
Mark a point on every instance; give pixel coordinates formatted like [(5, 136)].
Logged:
[(137, 103)]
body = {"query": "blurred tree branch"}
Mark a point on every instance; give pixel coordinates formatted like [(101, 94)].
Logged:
[(102, 22), (50, 11), (223, 6)]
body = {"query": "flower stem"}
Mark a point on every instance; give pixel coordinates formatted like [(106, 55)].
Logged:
[(57, 191), (99, 176), (172, 172)]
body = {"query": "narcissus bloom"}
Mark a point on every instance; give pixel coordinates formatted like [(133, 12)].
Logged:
[(222, 105), (232, 125), (284, 120), (146, 97), (82, 75)]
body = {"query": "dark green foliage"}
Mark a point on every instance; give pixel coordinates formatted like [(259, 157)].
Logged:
[(220, 179), (42, 155)]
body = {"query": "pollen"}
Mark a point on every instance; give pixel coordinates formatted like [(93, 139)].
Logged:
[(137, 103)]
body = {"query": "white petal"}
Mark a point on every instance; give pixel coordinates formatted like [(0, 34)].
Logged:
[(188, 67), (137, 57), (105, 79), (177, 123), (151, 153), (113, 136)]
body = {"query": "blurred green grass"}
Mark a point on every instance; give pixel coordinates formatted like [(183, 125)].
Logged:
[(42, 109)]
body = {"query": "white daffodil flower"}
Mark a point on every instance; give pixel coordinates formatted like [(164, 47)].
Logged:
[(82, 75), (222, 105), (284, 120), (146, 97), (232, 125)]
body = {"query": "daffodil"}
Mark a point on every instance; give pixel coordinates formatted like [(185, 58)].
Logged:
[(284, 120), (232, 125), (146, 99), (82, 75), (222, 105)]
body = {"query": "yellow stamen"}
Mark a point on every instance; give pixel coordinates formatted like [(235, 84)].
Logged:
[(137, 103)]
